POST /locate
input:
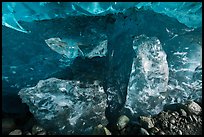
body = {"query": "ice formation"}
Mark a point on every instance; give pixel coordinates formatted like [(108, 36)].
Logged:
[(66, 107), (185, 12), (99, 51), (71, 50), (149, 76), (124, 48)]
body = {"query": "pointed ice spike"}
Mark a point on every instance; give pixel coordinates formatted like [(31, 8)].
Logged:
[(9, 20), (80, 9)]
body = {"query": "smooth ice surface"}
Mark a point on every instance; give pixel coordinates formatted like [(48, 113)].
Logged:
[(149, 76), (188, 13), (66, 107)]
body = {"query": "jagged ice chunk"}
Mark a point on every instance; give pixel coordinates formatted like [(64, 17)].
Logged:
[(149, 76), (66, 107)]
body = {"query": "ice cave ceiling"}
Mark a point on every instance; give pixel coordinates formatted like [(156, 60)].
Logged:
[(185, 12)]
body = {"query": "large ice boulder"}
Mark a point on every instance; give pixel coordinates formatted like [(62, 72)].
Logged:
[(66, 107), (149, 76)]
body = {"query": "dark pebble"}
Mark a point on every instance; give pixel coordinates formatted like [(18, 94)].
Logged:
[(175, 114), (194, 118), (144, 131), (27, 133), (42, 133), (165, 124), (161, 132), (37, 129), (180, 132), (172, 120), (154, 130), (183, 113), (188, 126), (190, 119), (16, 132)]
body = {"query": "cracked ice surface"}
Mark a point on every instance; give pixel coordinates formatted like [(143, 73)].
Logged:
[(181, 44), (71, 50), (149, 76), (188, 13), (66, 107)]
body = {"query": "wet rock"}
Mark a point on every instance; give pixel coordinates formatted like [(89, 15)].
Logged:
[(101, 130), (172, 127), (8, 125), (154, 130), (185, 120), (175, 114), (180, 132), (107, 131), (122, 122), (194, 118), (37, 130), (188, 126), (165, 124), (183, 112), (27, 133), (176, 123), (143, 131), (16, 132), (42, 133), (163, 115), (193, 108), (176, 130), (161, 132), (172, 120), (199, 119), (190, 119), (146, 122)]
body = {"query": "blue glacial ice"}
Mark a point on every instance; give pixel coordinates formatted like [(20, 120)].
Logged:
[(70, 48), (187, 13), (149, 76), (106, 42), (66, 107)]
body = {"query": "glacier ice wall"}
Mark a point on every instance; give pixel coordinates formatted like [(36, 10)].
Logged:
[(188, 13), (185, 61)]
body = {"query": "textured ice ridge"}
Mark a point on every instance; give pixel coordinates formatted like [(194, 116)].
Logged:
[(188, 13), (149, 76), (66, 107)]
